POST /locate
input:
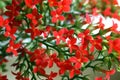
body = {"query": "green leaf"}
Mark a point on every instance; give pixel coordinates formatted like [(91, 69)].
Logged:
[(118, 69), (2, 4)]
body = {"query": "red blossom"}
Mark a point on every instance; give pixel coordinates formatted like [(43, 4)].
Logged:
[(106, 1), (52, 3), (5, 23), (110, 46), (19, 76), (64, 5), (116, 15), (76, 61), (70, 18), (13, 10), (3, 60), (40, 59), (57, 15), (38, 53), (1, 21), (10, 33), (58, 35), (115, 2), (68, 33), (64, 66), (114, 28), (74, 72), (39, 69), (32, 3), (3, 77), (88, 19), (13, 47), (97, 43), (34, 31), (114, 45), (72, 44), (94, 12), (47, 30), (52, 75), (85, 38), (34, 16), (107, 12), (100, 24), (53, 59), (79, 58), (98, 78), (108, 73)]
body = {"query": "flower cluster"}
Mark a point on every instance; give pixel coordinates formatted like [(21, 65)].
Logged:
[(45, 34)]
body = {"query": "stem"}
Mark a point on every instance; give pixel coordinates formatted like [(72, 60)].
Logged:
[(60, 51), (30, 67)]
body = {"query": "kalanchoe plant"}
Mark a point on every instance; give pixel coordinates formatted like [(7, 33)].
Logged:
[(46, 33)]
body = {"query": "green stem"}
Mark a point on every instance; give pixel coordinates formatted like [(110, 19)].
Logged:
[(60, 51), (30, 67)]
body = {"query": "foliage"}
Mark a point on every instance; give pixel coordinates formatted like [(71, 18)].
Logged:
[(47, 33)]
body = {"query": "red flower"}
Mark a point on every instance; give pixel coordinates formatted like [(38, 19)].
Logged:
[(13, 47), (110, 46), (10, 33), (39, 69), (53, 58), (71, 44), (47, 31), (70, 18), (114, 28), (52, 75), (13, 10), (19, 76), (64, 66), (2, 60), (34, 32), (101, 25), (64, 5), (116, 15), (108, 73), (85, 38), (114, 44), (88, 19), (68, 33), (66, 2), (32, 3), (58, 35), (106, 1), (34, 16), (56, 15), (79, 58), (98, 78), (1, 21), (107, 12), (52, 3), (94, 12), (97, 43), (3, 77), (74, 72), (40, 59), (115, 2), (78, 61), (38, 53), (4, 23)]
